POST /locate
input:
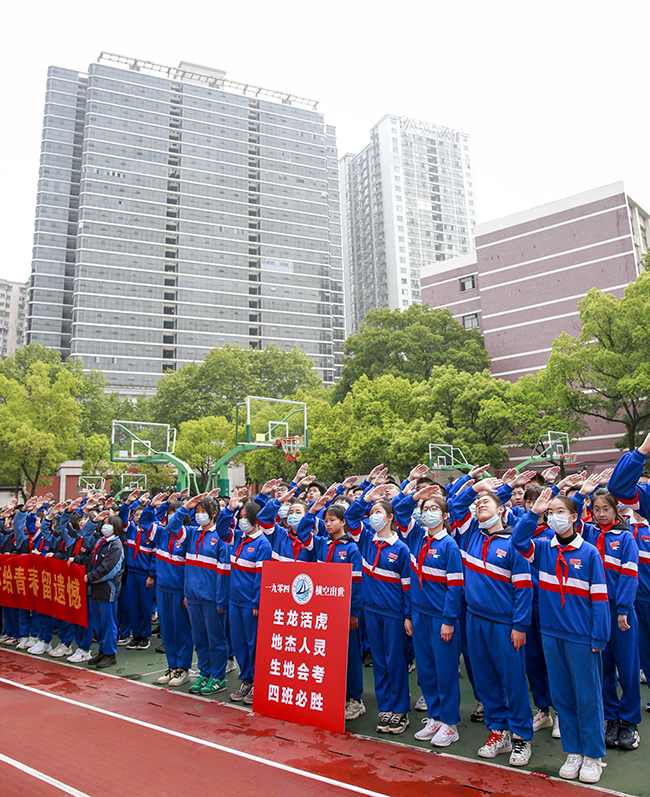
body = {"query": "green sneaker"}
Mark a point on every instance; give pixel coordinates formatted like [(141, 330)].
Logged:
[(209, 687), (220, 685), (198, 685)]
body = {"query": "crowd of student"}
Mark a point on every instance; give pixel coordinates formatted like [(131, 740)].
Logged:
[(541, 585)]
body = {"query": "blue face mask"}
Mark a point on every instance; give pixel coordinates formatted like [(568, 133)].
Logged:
[(417, 514), (431, 518), (293, 520), (377, 521), (245, 525), (202, 518), (283, 511)]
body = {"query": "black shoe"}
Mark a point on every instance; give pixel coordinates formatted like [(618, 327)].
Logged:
[(612, 731), (96, 658), (160, 648), (628, 736), (478, 713), (95, 636), (367, 659), (107, 661), (133, 643), (143, 643)]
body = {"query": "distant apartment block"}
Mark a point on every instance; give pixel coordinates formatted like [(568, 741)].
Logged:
[(522, 286), (13, 301), (407, 203)]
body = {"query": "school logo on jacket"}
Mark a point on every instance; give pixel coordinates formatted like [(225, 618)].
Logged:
[(213, 540), (645, 538), (434, 552), (302, 589), (501, 553), (251, 549), (577, 563), (615, 545), (392, 557)]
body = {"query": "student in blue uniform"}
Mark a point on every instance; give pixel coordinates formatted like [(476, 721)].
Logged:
[(620, 554), (436, 590), (279, 518), (339, 547), (249, 550), (387, 603), (575, 627), (105, 564), (498, 590)]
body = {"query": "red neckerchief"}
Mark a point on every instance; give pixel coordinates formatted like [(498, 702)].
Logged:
[(77, 546), (426, 547), (200, 539), (138, 538), (559, 562), (332, 549), (96, 548), (600, 542), (540, 528), (486, 548), (296, 545), (243, 542), (380, 544)]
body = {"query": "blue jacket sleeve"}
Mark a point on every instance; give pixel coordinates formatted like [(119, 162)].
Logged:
[(523, 584), (601, 623), (453, 597), (356, 603), (624, 486), (267, 514), (628, 580), (224, 525), (123, 513), (261, 499), (306, 527), (161, 512), (264, 555), (355, 514), (223, 581), (522, 535), (20, 519), (405, 577), (147, 518), (454, 487)]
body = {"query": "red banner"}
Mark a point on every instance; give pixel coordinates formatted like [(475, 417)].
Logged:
[(302, 643), (47, 585)]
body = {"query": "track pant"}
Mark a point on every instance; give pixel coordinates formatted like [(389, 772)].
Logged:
[(83, 635), (45, 627), (354, 688), (175, 629), (209, 635), (500, 676), (139, 600), (123, 614), (28, 623), (536, 663), (575, 676), (462, 627), (65, 632), (105, 623), (10, 619), (437, 663), (643, 617), (622, 654), (243, 630), (389, 648)]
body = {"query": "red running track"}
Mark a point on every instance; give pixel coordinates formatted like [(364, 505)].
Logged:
[(107, 736)]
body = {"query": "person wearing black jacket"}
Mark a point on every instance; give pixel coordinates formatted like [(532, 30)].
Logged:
[(104, 574)]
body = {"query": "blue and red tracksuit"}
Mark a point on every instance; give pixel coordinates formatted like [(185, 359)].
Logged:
[(78, 547), (171, 545), (247, 556), (27, 539), (285, 543), (387, 604), (575, 626), (344, 551), (499, 595), (137, 598), (620, 555), (436, 595), (641, 531), (624, 485)]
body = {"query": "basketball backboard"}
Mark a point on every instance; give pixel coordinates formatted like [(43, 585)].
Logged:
[(446, 457), (135, 441), (91, 484), (263, 421)]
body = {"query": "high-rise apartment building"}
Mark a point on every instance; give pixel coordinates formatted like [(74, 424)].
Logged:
[(13, 300), (177, 211), (522, 286), (408, 202)]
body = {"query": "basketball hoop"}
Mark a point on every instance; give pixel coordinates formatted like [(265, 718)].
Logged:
[(569, 460), (290, 446)]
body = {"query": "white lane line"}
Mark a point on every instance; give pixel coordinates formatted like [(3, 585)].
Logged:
[(42, 776), (203, 742)]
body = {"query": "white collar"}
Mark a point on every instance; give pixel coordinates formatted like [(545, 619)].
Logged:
[(438, 536), (253, 535), (575, 543), (390, 540)]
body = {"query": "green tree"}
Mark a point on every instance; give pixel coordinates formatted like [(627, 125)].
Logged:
[(39, 422), (409, 344), (202, 442), (96, 455), (605, 372)]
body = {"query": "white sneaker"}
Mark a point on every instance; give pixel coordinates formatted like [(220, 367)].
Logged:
[(421, 704), (354, 709), (75, 656), (446, 735), (542, 720), (498, 742), (4, 637), (571, 767), (522, 750), (591, 770), (10, 640), (60, 651), (165, 678), (642, 676), (24, 642), (32, 640), (556, 728), (85, 655), (231, 666), (179, 678), (39, 648), (431, 727)]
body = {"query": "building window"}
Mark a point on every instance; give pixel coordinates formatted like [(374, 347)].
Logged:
[(467, 283), (470, 321)]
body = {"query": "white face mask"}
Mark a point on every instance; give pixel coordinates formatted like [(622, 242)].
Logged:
[(472, 511), (377, 521), (293, 520), (245, 525), (202, 518), (431, 518), (283, 511), (560, 524), (107, 530), (491, 521)]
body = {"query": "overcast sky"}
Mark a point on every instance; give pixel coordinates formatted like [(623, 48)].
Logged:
[(553, 94)]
